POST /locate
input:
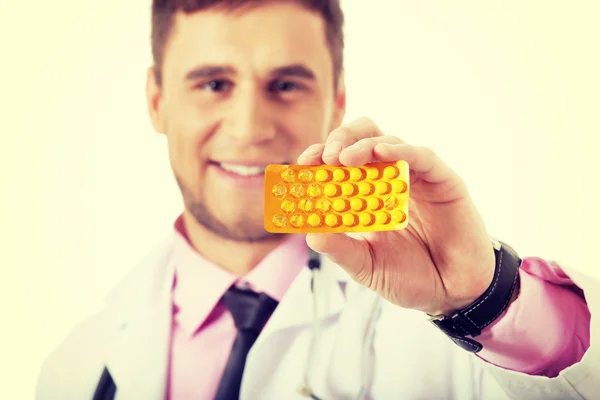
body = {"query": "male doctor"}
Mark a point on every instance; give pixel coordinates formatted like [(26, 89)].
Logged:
[(222, 309)]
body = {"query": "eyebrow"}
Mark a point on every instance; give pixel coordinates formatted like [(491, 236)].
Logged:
[(296, 70), (209, 71)]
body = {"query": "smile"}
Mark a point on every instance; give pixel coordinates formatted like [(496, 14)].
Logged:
[(243, 170)]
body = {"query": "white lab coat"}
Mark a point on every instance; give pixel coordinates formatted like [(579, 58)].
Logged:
[(409, 358)]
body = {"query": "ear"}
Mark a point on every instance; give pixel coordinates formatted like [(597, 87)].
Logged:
[(339, 106), (154, 99)]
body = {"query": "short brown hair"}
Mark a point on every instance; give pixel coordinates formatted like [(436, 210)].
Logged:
[(163, 13)]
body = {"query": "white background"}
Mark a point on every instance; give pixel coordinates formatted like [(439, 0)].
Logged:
[(506, 93)]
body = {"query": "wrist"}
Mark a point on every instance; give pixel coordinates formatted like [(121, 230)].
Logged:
[(468, 322)]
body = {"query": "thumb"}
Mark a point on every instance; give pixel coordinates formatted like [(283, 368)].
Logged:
[(351, 254)]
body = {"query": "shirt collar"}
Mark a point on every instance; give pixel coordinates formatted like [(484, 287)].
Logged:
[(200, 284)]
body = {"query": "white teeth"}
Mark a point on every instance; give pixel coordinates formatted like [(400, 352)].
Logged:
[(243, 170)]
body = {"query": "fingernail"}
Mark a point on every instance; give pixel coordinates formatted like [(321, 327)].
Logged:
[(354, 147), (332, 148), (311, 151)]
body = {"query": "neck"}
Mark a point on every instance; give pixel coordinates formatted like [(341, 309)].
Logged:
[(234, 256)]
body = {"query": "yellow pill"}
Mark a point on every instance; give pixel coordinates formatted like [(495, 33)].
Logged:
[(374, 203), (398, 217), (324, 205), (297, 220), (279, 190), (390, 172), (349, 189), (332, 190), (314, 190), (382, 187), (332, 220), (314, 220), (280, 221), (341, 205), (288, 175), (358, 204), (366, 219), (357, 174), (382, 217), (305, 175), (373, 173), (288, 206), (390, 202), (399, 186), (306, 205), (323, 175), (350, 219), (366, 188), (297, 191), (340, 175)]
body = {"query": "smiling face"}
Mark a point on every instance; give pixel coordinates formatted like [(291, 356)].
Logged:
[(241, 89)]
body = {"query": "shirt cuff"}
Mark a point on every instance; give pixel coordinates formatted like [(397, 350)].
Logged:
[(545, 330)]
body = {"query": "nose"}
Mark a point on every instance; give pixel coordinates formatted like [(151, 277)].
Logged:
[(249, 118)]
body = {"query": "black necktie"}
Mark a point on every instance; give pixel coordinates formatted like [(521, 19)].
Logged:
[(250, 312)]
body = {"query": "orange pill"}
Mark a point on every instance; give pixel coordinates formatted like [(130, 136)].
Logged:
[(399, 186), (350, 219), (341, 205), (390, 172), (382, 217), (314, 220), (332, 220), (332, 190), (358, 204), (366, 219), (349, 189), (373, 173), (357, 174), (366, 188), (340, 175), (323, 175), (398, 217), (382, 187), (374, 203)]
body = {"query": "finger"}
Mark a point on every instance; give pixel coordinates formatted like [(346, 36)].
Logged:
[(347, 135), (421, 160), (351, 254), (312, 155), (361, 152)]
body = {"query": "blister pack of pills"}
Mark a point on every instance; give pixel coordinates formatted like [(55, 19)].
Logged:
[(331, 199)]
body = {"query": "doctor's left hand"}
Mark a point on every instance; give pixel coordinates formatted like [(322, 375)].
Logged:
[(443, 260)]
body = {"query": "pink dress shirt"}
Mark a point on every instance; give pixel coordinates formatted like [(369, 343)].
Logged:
[(544, 331)]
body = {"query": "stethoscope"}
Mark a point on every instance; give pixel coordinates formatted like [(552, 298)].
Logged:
[(106, 388)]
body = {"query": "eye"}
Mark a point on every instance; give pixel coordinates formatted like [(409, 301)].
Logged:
[(217, 86), (284, 86)]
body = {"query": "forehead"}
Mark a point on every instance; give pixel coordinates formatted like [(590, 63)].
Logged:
[(263, 36)]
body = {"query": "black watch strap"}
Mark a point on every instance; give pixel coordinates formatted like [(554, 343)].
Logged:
[(487, 308)]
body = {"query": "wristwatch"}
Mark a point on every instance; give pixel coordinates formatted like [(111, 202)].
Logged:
[(468, 322)]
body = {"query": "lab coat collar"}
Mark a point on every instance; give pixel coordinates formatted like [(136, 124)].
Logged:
[(138, 353)]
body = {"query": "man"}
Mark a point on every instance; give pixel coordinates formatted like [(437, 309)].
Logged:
[(237, 86)]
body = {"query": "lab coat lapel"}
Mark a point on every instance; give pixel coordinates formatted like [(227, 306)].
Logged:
[(295, 308), (295, 311), (137, 356)]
